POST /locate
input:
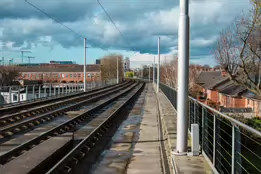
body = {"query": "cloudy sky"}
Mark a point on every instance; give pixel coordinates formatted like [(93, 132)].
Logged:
[(140, 22)]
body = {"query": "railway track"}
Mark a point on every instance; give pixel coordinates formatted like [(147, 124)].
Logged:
[(53, 104), (109, 120), (27, 120), (70, 125), (9, 109)]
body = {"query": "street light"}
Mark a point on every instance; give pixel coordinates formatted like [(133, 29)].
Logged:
[(183, 62)]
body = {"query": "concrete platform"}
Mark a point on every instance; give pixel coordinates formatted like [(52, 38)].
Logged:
[(146, 157), (180, 164)]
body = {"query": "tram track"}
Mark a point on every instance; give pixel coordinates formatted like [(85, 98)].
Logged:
[(66, 126), (9, 109), (35, 117)]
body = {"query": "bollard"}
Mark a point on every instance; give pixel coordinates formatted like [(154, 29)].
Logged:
[(194, 139)]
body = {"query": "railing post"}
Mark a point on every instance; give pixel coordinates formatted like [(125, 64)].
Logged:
[(45, 94), (33, 91), (10, 94), (39, 91), (50, 90), (203, 128), (62, 90), (59, 89), (233, 149), (19, 99), (54, 90), (195, 112), (214, 140), (26, 93)]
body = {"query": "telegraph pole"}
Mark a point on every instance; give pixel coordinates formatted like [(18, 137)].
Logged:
[(183, 69), (158, 71), (84, 67)]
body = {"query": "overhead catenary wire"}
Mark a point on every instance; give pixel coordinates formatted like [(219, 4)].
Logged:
[(42, 11), (110, 18)]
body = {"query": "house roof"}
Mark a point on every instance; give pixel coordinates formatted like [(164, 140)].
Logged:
[(250, 95), (206, 78), (221, 86), (54, 68), (233, 90), (219, 81)]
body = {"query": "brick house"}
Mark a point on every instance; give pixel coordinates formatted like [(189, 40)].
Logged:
[(228, 96), (60, 73)]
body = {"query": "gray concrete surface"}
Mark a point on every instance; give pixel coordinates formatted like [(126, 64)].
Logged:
[(146, 158), (181, 164)]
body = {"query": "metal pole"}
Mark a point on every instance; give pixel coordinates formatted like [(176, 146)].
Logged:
[(158, 71), (153, 70), (117, 69), (183, 62), (149, 72), (84, 67)]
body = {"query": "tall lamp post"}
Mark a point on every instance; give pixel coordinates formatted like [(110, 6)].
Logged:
[(183, 64)]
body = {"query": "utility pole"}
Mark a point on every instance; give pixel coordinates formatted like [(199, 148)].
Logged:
[(158, 69), (29, 58), (22, 52), (84, 66), (117, 69), (183, 64), (11, 61), (153, 66), (149, 72)]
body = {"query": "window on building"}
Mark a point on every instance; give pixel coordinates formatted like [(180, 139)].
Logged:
[(66, 75), (89, 75), (79, 75), (71, 75), (15, 98), (74, 75)]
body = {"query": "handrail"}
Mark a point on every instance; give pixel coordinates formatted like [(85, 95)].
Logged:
[(250, 129)]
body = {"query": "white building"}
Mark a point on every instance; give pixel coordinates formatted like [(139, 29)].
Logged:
[(126, 64)]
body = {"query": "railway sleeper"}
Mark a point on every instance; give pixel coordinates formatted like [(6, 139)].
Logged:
[(72, 124)]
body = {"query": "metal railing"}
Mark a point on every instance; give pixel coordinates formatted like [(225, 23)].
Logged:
[(229, 145), (12, 95)]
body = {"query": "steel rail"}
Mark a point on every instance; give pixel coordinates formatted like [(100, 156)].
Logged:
[(10, 109), (15, 128), (82, 148), (10, 118), (64, 127)]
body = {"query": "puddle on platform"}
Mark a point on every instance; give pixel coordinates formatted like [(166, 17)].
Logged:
[(117, 155)]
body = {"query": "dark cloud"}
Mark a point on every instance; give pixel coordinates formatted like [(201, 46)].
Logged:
[(141, 22), (62, 10)]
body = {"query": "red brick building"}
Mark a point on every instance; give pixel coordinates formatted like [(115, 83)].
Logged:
[(60, 73), (217, 88)]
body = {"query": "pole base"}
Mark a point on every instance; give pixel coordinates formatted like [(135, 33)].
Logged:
[(175, 152)]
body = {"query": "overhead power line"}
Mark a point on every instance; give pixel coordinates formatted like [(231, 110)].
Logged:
[(42, 11), (114, 24)]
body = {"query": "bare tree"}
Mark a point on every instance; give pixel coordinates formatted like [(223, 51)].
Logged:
[(238, 50), (7, 75), (109, 67), (169, 74)]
